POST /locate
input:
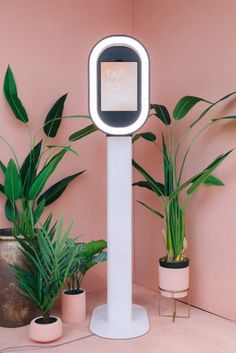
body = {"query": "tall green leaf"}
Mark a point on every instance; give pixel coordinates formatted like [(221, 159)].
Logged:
[(185, 105), (3, 167), (145, 184), (149, 136), (56, 190), (12, 184), (151, 209), (28, 170), (210, 107), (162, 113), (11, 95), (83, 132), (37, 213), (11, 211), (230, 117), (43, 176), (212, 180), (207, 172), (53, 118), (155, 186)]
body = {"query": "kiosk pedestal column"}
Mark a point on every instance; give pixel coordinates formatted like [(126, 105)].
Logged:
[(119, 318)]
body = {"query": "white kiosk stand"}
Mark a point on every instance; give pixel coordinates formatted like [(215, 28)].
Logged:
[(119, 105)]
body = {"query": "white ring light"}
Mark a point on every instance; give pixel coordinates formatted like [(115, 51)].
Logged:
[(104, 44)]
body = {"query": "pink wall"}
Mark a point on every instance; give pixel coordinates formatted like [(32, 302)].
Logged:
[(47, 44), (191, 45)]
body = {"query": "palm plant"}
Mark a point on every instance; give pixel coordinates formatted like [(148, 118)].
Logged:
[(174, 193), (48, 261), (24, 182), (89, 255)]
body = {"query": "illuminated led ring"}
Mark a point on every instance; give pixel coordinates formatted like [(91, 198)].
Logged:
[(93, 83)]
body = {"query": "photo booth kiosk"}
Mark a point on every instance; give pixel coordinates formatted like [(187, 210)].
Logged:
[(119, 105)]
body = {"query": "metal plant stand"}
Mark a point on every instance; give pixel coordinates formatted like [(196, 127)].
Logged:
[(173, 304)]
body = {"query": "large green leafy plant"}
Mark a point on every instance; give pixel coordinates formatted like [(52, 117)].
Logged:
[(48, 262), (174, 193), (90, 254), (24, 182)]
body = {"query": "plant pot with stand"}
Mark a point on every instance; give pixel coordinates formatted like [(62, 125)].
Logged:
[(173, 193)]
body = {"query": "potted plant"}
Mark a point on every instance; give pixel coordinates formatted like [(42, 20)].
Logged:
[(174, 193), (48, 260), (74, 296), (23, 186)]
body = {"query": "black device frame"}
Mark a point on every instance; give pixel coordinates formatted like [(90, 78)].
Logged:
[(119, 54)]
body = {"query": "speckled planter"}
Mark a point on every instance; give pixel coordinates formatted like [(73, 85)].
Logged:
[(15, 311)]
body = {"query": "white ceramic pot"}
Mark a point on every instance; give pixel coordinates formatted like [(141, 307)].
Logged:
[(44, 333), (174, 282), (73, 307)]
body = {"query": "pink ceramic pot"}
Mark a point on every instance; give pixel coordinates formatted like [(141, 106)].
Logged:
[(44, 333), (174, 280), (73, 307)]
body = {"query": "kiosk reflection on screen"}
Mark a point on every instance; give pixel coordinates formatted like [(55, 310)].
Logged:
[(119, 86)]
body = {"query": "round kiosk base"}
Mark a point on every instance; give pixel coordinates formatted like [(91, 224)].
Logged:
[(100, 326)]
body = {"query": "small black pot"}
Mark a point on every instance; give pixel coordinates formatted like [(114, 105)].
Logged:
[(180, 264)]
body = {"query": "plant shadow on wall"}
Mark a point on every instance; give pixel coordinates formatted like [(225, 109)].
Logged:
[(25, 196), (174, 193)]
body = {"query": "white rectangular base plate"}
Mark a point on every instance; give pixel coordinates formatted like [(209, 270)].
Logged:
[(100, 325)]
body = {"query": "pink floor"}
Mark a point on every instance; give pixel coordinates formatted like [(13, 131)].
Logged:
[(202, 333)]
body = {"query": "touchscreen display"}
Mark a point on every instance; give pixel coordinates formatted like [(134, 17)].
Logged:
[(119, 86)]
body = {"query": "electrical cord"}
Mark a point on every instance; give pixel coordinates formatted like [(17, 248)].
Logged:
[(31, 346)]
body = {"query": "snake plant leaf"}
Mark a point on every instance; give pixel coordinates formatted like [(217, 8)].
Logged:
[(151, 209), (28, 169), (1, 188), (53, 118), (148, 136), (230, 117), (11, 95), (207, 172), (83, 132), (56, 190), (43, 176), (155, 186), (12, 184), (185, 105), (3, 167), (162, 113), (11, 211)]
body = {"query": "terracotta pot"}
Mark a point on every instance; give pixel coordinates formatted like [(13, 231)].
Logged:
[(174, 278), (15, 311), (44, 333), (73, 307)]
